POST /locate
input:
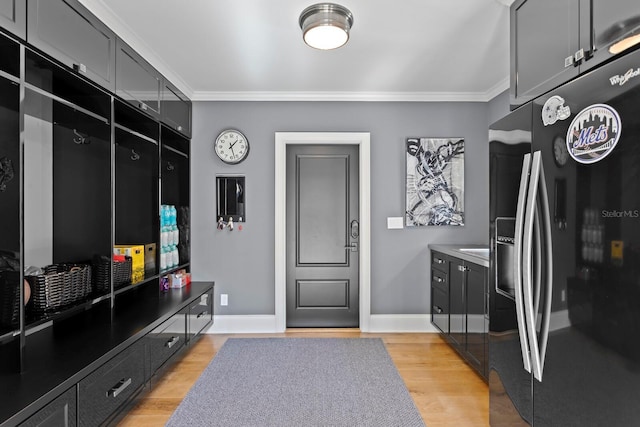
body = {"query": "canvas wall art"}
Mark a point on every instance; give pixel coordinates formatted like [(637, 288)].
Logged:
[(435, 182)]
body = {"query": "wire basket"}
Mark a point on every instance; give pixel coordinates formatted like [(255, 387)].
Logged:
[(60, 285), (9, 298), (121, 273)]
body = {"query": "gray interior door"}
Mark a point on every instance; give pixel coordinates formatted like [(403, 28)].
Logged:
[(322, 236)]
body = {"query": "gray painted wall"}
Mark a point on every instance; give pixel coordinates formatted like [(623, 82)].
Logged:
[(499, 107), (242, 262)]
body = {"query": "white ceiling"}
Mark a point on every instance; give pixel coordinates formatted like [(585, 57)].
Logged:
[(402, 50)]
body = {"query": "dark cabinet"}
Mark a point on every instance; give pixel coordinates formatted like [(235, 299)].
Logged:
[(137, 82), (175, 182), (110, 386), (176, 109), (13, 16), (10, 196), (60, 412), (544, 39), (477, 321), (459, 296), (553, 41), (200, 315), (440, 292), (164, 341), (69, 33)]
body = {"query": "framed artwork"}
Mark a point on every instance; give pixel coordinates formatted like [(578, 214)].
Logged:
[(435, 182)]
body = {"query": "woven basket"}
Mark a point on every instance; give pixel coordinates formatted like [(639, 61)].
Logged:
[(121, 273), (59, 286), (9, 298)]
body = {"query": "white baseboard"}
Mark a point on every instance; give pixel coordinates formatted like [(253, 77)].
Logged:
[(266, 324), (243, 324), (401, 323)]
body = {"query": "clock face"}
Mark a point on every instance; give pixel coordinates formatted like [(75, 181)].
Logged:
[(560, 152), (231, 146)]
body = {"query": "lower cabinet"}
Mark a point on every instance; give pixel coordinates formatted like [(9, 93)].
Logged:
[(459, 300), (164, 341), (110, 386), (200, 315), (103, 396), (60, 412)]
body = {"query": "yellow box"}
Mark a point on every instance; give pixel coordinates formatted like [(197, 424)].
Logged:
[(136, 252)]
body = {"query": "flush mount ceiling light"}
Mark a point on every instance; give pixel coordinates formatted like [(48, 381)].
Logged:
[(326, 25)]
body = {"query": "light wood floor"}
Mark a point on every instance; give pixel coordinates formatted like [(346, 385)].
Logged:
[(446, 391)]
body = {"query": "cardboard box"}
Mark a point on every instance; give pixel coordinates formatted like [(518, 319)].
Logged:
[(150, 257), (136, 252)]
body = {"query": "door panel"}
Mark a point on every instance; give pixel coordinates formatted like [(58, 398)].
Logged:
[(323, 293), (322, 256), (322, 194)]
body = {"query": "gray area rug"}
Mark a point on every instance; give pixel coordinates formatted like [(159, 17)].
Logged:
[(299, 382)]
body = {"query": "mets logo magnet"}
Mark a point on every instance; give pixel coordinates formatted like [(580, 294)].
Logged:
[(593, 133)]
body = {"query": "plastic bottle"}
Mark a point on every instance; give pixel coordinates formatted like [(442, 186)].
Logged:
[(176, 256), (175, 234), (163, 227), (163, 258)]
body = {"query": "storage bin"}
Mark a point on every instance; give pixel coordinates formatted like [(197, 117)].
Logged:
[(59, 286), (121, 273)]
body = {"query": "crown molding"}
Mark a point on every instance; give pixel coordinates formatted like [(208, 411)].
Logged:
[(355, 96), (506, 3), (100, 9)]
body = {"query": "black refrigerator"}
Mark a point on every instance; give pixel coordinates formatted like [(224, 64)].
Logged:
[(564, 329)]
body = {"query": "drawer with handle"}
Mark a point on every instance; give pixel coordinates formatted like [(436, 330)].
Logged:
[(439, 262), (200, 314), (111, 385), (165, 340), (440, 279)]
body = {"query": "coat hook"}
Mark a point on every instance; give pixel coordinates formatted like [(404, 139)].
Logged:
[(80, 139), (134, 156), (170, 166)]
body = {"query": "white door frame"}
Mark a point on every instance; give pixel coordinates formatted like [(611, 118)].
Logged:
[(362, 140)]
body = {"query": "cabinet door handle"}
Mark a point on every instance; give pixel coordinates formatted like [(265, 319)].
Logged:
[(179, 128), (119, 388), (439, 279), (172, 342), (568, 61), (204, 313), (437, 309), (579, 55), (438, 261), (81, 68)]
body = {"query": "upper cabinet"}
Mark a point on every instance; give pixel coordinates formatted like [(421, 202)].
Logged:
[(13, 16), (176, 109), (137, 82), (544, 39), (65, 30), (553, 41)]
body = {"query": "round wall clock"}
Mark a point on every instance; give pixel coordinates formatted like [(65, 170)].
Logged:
[(231, 146), (560, 152)]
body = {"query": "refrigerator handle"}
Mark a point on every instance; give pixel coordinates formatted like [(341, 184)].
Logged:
[(517, 262), (548, 253), (527, 258), (538, 260)]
